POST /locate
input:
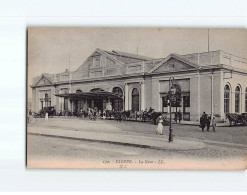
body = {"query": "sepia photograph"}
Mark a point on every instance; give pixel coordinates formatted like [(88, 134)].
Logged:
[(136, 98)]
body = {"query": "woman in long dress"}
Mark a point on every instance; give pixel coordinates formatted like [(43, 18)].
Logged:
[(46, 116), (159, 129), (213, 123)]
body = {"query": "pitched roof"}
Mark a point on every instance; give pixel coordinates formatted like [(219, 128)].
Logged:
[(178, 57), (44, 75)]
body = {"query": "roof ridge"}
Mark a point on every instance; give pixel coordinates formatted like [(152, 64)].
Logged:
[(130, 55)]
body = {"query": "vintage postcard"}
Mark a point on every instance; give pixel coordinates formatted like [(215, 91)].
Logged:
[(136, 98)]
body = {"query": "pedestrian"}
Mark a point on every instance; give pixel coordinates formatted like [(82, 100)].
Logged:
[(203, 121), (208, 121), (159, 129), (89, 113), (104, 114), (46, 116), (213, 123), (176, 117), (99, 117), (179, 116)]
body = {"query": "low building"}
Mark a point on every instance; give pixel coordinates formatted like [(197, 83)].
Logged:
[(212, 82)]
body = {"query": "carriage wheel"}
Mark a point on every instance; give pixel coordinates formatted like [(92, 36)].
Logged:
[(31, 120)]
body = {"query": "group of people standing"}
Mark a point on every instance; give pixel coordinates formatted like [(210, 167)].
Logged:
[(205, 121)]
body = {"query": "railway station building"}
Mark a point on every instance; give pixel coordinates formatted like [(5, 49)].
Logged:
[(214, 82)]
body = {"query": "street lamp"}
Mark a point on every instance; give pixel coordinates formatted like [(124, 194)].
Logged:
[(172, 91)]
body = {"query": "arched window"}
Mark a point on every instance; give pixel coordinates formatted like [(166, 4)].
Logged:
[(226, 99), (135, 99), (78, 91), (118, 103), (237, 99), (118, 91), (96, 90), (246, 99)]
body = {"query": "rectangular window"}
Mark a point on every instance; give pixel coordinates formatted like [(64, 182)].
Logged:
[(186, 101), (165, 101), (186, 104)]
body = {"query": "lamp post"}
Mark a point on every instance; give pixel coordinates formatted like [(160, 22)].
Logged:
[(172, 91)]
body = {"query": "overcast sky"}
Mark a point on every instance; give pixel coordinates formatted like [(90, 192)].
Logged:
[(49, 48)]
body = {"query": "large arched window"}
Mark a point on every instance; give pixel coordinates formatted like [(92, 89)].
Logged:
[(226, 99), (117, 103), (237, 99), (135, 99), (246, 99)]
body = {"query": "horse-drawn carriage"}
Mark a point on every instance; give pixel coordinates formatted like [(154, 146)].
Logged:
[(237, 118), (51, 112), (144, 116)]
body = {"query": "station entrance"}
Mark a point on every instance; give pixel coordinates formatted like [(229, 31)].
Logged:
[(94, 99)]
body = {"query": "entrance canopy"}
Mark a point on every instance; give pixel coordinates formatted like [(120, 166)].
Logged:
[(90, 95)]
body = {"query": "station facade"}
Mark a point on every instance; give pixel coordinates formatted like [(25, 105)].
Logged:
[(213, 82)]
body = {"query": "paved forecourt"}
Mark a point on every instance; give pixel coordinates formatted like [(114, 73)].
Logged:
[(109, 132)]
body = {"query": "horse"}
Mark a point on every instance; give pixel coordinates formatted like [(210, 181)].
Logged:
[(154, 116), (110, 113), (233, 118), (118, 116), (132, 114), (125, 115), (146, 116), (138, 114)]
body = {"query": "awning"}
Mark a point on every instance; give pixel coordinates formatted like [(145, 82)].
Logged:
[(90, 95)]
